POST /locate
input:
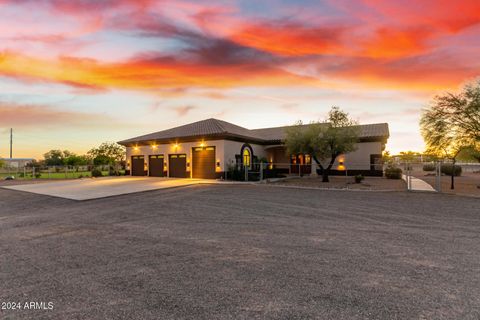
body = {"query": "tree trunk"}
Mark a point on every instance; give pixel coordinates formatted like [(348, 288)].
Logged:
[(452, 182), (325, 176)]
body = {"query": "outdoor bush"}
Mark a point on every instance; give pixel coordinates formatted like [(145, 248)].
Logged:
[(38, 175), (429, 167), (96, 173), (393, 173), (447, 169), (80, 176), (235, 174), (359, 178)]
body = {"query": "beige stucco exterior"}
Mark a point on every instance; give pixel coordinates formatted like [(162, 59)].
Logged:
[(225, 151), (360, 158)]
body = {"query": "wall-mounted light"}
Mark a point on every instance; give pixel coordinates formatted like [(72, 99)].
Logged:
[(135, 148), (188, 164), (218, 164), (154, 146), (175, 145), (202, 144)]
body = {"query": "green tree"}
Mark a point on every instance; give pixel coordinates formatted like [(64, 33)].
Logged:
[(108, 153), (324, 141), (409, 155), (2, 163), (451, 123), (75, 160), (54, 158), (470, 154)]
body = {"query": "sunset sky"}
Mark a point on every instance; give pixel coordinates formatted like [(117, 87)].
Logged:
[(76, 73)]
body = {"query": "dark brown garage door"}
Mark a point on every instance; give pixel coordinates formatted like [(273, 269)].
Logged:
[(177, 165), (155, 165), (203, 163), (138, 166)]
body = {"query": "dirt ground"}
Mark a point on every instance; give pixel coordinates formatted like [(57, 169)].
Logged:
[(241, 252), (336, 182), (466, 184)]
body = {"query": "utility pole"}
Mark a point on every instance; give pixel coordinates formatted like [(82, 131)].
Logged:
[(11, 141)]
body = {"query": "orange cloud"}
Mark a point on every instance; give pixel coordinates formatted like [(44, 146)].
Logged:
[(290, 39), (27, 115), (393, 43), (144, 73)]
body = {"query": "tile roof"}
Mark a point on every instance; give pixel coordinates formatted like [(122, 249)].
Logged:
[(376, 130), (214, 127)]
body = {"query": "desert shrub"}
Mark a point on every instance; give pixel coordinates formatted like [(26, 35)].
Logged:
[(393, 173), (233, 173), (447, 169), (96, 173), (429, 167), (359, 178)]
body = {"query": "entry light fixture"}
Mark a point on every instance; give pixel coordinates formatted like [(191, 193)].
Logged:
[(188, 164), (218, 164), (135, 148), (175, 145), (154, 146), (202, 144)]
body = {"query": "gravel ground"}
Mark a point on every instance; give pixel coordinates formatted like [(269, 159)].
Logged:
[(242, 252), (336, 182), (466, 184)]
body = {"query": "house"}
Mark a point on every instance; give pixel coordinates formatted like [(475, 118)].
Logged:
[(208, 148), (16, 162)]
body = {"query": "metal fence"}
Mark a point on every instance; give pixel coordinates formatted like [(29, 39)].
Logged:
[(418, 176), (442, 176), (268, 170), (56, 172)]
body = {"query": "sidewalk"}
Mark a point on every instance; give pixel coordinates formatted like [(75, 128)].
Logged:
[(418, 184)]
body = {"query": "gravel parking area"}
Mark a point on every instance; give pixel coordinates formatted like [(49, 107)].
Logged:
[(242, 252)]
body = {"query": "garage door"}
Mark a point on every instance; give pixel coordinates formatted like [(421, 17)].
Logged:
[(203, 163), (138, 166), (155, 165), (177, 165)]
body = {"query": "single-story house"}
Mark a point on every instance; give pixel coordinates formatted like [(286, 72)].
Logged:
[(208, 148), (16, 162)]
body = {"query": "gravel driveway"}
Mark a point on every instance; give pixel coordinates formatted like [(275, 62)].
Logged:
[(241, 252)]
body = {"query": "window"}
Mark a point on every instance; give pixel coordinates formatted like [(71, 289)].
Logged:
[(246, 157)]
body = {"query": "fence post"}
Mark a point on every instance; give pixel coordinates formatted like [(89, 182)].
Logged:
[(246, 173), (299, 170), (438, 176), (66, 169), (24, 172), (33, 172)]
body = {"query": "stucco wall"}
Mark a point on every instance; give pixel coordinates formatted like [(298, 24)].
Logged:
[(226, 150), (181, 148), (360, 158), (234, 147)]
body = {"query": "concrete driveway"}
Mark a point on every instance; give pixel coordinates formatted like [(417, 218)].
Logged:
[(85, 189)]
